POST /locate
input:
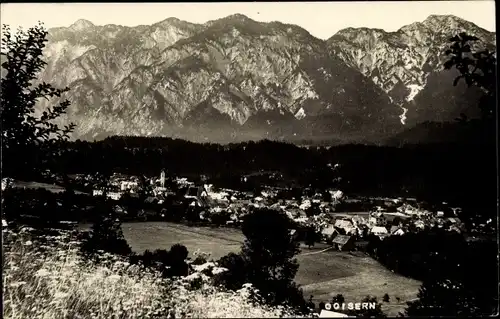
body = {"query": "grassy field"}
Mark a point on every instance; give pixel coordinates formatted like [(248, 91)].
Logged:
[(322, 273), (36, 185)]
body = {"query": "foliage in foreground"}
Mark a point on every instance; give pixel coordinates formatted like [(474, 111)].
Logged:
[(267, 259), (45, 277), (29, 138)]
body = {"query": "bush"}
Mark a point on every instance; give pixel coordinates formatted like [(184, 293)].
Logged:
[(386, 298), (106, 235)]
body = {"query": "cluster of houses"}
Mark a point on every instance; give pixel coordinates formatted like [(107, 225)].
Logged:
[(341, 230), (349, 231)]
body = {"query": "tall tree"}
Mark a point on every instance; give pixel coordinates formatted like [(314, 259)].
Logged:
[(106, 234), (466, 284), (27, 135), (269, 251), (477, 68)]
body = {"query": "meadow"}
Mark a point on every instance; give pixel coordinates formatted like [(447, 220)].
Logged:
[(44, 276), (322, 273)]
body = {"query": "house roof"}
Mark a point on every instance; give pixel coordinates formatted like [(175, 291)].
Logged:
[(341, 223), (341, 239), (379, 229), (399, 232), (330, 230)]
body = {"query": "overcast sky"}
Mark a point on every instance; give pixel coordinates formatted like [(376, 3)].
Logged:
[(321, 19)]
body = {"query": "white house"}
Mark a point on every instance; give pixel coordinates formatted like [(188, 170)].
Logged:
[(126, 185), (5, 183), (337, 195), (97, 192), (219, 196), (379, 230), (305, 204), (399, 232), (159, 190), (328, 231), (420, 224), (346, 225), (114, 195), (372, 220)]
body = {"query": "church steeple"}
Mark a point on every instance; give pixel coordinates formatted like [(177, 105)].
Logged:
[(162, 178)]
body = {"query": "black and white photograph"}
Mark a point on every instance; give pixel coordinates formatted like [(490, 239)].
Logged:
[(249, 160)]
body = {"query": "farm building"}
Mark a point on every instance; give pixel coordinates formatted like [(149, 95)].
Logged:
[(343, 242), (346, 225), (329, 233)]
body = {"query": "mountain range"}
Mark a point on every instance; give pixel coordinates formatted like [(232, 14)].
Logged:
[(236, 78)]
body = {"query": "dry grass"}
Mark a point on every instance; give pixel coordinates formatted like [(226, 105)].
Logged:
[(368, 278), (323, 275), (44, 277)]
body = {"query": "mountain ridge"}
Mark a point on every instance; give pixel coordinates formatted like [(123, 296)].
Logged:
[(150, 79)]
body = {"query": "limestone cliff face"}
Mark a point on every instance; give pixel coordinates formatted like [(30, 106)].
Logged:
[(401, 62), (239, 73), (154, 79)]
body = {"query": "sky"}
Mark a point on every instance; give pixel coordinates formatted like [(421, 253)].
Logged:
[(321, 19)]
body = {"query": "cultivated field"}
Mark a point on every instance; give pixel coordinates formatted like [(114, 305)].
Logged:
[(323, 273)]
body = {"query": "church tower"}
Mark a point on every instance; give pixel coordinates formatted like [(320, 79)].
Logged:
[(162, 178)]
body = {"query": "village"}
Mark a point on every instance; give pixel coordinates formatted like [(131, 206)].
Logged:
[(343, 229), (337, 219)]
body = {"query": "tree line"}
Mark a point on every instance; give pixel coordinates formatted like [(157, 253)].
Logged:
[(452, 173)]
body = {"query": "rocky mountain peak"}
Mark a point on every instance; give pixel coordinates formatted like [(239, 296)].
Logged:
[(234, 19), (399, 62), (352, 32), (442, 25), (237, 17), (172, 21), (81, 24), (441, 19)]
